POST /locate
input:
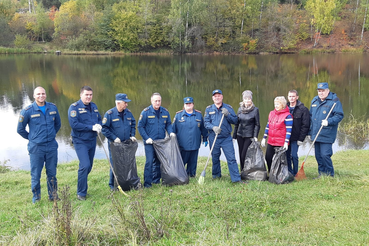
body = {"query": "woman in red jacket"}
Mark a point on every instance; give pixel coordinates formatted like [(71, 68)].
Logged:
[(278, 129)]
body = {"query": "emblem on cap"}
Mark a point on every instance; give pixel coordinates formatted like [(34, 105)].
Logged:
[(188, 99), (320, 85)]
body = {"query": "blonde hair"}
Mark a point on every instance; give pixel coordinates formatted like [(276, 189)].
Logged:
[(281, 100)]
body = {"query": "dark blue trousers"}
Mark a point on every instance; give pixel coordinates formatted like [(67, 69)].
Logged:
[(227, 145), (293, 158), (152, 167), (323, 154), (189, 157), (85, 151), (41, 155)]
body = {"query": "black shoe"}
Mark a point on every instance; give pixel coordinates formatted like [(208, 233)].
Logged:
[(81, 198), (57, 199)]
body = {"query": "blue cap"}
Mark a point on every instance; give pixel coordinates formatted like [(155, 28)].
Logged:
[(323, 86), (122, 97), (217, 91), (188, 100)]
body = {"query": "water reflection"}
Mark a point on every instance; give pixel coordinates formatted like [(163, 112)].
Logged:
[(174, 77)]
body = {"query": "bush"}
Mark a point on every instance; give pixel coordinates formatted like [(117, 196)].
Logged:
[(21, 41)]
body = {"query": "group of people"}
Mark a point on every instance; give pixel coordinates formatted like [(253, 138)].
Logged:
[(288, 125)]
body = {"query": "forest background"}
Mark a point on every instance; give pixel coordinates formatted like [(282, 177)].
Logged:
[(185, 26)]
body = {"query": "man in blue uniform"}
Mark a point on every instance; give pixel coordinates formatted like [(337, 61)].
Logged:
[(319, 109), (213, 115), (118, 125), (153, 123), (188, 125), (43, 120), (85, 121)]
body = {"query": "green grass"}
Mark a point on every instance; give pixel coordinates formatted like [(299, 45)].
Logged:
[(326, 211)]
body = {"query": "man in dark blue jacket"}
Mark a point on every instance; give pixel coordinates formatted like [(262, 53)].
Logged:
[(43, 120), (154, 122), (320, 107), (188, 124), (118, 125), (300, 129), (85, 121), (212, 118)]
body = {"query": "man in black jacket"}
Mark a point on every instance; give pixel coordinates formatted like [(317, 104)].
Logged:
[(300, 128)]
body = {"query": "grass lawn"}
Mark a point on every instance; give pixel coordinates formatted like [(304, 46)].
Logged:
[(325, 211)]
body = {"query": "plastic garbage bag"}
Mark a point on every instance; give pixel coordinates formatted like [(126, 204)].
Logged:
[(172, 168), (279, 173), (124, 163), (254, 166)]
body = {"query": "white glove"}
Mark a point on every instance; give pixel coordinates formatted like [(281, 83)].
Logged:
[(255, 139), (133, 139), (172, 134), (263, 142), (96, 128), (324, 122), (149, 141), (117, 140), (299, 143), (285, 146), (217, 129), (225, 112), (308, 137)]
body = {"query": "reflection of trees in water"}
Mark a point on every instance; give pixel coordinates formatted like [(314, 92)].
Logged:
[(349, 142)]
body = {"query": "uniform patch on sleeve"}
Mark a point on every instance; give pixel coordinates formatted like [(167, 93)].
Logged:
[(21, 118), (174, 119), (73, 113), (104, 120), (140, 117)]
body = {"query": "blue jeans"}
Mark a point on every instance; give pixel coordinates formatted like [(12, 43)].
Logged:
[(41, 155), (189, 157), (292, 156), (323, 153), (227, 145), (85, 152)]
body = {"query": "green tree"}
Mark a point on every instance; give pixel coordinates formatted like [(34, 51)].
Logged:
[(42, 21), (323, 14)]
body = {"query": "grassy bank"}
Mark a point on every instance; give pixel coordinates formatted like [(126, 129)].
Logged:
[(326, 211)]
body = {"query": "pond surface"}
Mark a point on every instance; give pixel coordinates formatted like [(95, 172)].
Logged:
[(174, 77)]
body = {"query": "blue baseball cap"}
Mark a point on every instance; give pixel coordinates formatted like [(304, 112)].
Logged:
[(323, 86), (188, 100), (217, 91), (122, 97)]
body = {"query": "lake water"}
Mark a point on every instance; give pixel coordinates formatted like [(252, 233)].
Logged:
[(174, 77)]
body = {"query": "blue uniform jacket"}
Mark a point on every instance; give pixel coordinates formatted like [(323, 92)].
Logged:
[(149, 126), (115, 127), (81, 120), (189, 129), (212, 118), (319, 111), (42, 128)]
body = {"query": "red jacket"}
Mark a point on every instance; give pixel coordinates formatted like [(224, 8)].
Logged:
[(277, 127)]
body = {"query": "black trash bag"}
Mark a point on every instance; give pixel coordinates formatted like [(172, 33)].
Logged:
[(124, 163), (254, 166), (172, 168), (279, 173)]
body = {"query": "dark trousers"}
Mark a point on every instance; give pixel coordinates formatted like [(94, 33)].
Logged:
[(189, 157), (85, 152), (243, 145), (270, 151), (323, 153), (293, 158), (152, 172)]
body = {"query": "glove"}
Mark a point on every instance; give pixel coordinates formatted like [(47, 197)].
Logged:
[(133, 139), (96, 128), (225, 112), (172, 134), (285, 146), (263, 142), (149, 141), (308, 137), (299, 143), (117, 140), (205, 143), (324, 122), (217, 129), (255, 139)]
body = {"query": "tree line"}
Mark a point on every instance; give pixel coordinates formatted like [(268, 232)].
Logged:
[(180, 25)]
